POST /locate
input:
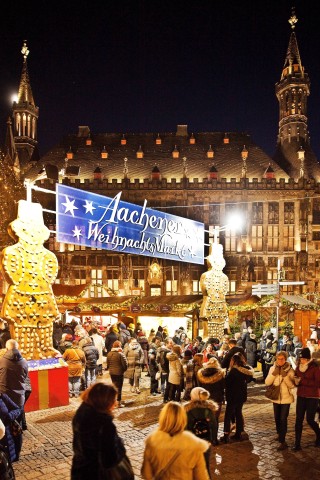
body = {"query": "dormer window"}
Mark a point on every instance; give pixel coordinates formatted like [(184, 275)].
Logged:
[(104, 153), (192, 140), (139, 152), (88, 141), (210, 152), (213, 173), (158, 140), (226, 139), (269, 173), (175, 152), (70, 154), (123, 140), (155, 173), (97, 174)]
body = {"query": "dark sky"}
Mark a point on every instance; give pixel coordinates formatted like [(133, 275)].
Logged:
[(146, 66)]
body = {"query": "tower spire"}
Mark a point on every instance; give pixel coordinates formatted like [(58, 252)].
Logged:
[(292, 92), (25, 116)]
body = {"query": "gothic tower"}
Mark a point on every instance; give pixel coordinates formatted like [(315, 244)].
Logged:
[(25, 118), (294, 153)]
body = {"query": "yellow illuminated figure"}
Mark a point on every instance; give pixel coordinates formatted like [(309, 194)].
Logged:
[(214, 286), (30, 269)]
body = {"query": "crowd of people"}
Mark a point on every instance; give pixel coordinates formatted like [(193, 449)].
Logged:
[(196, 380)]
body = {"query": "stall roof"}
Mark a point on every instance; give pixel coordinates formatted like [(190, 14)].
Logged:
[(297, 300), (169, 299)]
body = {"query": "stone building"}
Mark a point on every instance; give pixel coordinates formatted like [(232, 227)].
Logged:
[(203, 176)]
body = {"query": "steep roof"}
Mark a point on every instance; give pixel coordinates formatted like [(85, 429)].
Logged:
[(227, 156)]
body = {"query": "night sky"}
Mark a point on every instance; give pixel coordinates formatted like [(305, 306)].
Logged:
[(146, 66)]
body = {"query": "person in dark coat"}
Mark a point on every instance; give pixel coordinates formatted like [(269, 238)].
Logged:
[(92, 356), (307, 378), (117, 364), (4, 334), (9, 411), (111, 337), (236, 395), (233, 350), (13, 373), (144, 344), (212, 378), (95, 438), (56, 334), (124, 334), (251, 350)]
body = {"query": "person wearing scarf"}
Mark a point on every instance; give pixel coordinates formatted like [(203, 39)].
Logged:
[(308, 379), (281, 374)]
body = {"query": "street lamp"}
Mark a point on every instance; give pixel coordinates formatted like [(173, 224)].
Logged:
[(235, 222)]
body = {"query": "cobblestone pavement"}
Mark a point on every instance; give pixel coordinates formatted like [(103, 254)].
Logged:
[(47, 444)]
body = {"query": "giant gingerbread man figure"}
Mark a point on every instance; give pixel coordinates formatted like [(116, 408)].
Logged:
[(30, 269)]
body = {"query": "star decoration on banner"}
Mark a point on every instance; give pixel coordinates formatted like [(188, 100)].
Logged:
[(70, 206), (77, 232), (89, 207)]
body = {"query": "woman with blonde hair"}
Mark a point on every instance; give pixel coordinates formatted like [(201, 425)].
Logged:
[(98, 451), (171, 451), (281, 375)]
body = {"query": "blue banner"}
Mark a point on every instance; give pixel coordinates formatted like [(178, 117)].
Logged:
[(91, 220)]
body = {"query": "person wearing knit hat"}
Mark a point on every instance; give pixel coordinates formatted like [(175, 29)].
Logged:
[(308, 393), (202, 420)]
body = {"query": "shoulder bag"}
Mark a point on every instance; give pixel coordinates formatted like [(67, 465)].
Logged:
[(273, 391), (121, 471)]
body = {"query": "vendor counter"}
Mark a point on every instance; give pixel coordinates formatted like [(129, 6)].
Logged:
[(49, 383)]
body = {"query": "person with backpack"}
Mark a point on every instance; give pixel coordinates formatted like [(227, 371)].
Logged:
[(201, 415), (92, 356), (124, 334)]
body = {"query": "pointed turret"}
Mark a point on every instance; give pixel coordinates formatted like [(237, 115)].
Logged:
[(25, 116), (292, 92), (11, 154)]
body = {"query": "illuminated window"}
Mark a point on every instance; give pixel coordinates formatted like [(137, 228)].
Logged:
[(257, 237), (288, 213), (273, 212), (273, 238), (230, 241), (288, 238)]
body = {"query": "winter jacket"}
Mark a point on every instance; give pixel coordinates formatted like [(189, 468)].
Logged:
[(91, 354), (251, 351), (286, 383), (202, 409), (93, 433), (76, 361), (144, 344), (135, 359), (111, 337), (236, 384), (226, 360), (309, 386), (124, 336), (162, 359), (160, 447), (175, 369), (188, 372), (9, 411), (116, 362), (213, 380), (98, 342), (13, 374)]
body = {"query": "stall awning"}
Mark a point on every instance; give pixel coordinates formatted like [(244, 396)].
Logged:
[(297, 300), (169, 299)]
